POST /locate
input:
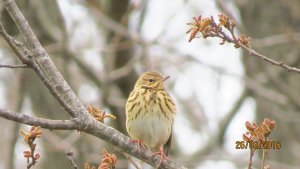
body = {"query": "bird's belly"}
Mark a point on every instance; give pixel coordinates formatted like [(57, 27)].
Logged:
[(151, 129)]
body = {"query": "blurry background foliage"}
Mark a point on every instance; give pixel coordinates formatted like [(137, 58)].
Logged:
[(102, 46)]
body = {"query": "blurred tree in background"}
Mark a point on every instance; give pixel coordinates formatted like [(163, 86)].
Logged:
[(273, 28), (101, 47)]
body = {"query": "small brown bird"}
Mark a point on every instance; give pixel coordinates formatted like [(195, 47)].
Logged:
[(149, 114)]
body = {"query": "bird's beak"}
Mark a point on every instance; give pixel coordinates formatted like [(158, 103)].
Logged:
[(165, 78)]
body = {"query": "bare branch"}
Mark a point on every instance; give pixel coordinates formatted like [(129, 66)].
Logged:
[(109, 23), (69, 155), (94, 128), (13, 66), (267, 59), (85, 68), (131, 161), (35, 121), (15, 45), (251, 158), (123, 142), (43, 65), (263, 160)]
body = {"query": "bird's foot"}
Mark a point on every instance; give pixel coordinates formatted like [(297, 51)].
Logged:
[(161, 154), (139, 144)]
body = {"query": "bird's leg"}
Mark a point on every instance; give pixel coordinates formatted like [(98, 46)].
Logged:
[(139, 144), (161, 154)]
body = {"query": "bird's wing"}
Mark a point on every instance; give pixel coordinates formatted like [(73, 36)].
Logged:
[(167, 146)]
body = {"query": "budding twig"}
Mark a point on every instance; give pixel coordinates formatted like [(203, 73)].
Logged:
[(98, 114), (258, 132), (108, 162), (29, 138), (207, 27)]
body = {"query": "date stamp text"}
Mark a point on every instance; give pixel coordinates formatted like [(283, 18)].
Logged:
[(258, 144)]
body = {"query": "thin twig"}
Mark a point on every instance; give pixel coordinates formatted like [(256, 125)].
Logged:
[(131, 161), (42, 63), (13, 66), (267, 59), (23, 53), (263, 160), (35, 121), (252, 52), (29, 138), (69, 155), (33, 160), (86, 69), (250, 158)]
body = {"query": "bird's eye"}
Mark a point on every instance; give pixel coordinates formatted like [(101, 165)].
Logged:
[(150, 80)]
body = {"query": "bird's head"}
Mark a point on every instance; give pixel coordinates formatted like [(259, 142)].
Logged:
[(151, 80)]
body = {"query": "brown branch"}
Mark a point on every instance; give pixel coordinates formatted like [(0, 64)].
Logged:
[(35, 121), (267, 59), (252, 52), (13, 66)]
